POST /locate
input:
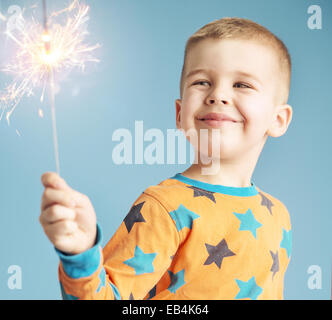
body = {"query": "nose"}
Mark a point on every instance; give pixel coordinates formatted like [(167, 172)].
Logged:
[(213, 101), (215, 97)]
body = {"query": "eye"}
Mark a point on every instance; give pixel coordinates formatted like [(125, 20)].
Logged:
[(200, 82), (242, 85)]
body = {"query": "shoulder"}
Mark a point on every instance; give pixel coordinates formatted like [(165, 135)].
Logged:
[(276, 207), (157, 204), (169, 193)]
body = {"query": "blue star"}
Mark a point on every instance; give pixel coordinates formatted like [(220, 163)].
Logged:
[(248, 222), (286, 241), (66, 296), (102, 278), (248, 289), (183, 217), (141, 262), (116, 292), (102, 283), (177, 280)]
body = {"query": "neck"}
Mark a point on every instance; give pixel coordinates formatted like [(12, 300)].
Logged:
[(227, 172)]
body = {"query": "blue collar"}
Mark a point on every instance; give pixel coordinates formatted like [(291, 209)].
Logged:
[(233, 191)]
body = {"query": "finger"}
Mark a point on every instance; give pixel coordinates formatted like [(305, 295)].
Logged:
[(54, 196), (53, 180), (56, 213), (60, 229), (64, 244), (81, 200)]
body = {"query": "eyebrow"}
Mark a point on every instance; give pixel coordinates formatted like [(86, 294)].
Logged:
[(191, 73), (241, 73), (248, 75)]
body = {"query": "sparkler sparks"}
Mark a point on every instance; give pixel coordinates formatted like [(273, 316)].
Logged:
[(43, 51), (2, 17)]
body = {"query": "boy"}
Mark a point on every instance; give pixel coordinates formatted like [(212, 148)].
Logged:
[(195, 235)]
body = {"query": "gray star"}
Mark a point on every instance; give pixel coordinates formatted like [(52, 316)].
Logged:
[(266, 202), (133, 216), (218, 253), (203, 193), (275, 265), (152, 292)]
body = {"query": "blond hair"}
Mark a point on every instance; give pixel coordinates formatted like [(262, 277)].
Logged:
[(240, 28)]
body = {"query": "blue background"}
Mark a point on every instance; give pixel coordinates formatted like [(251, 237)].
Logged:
[(138, 79)]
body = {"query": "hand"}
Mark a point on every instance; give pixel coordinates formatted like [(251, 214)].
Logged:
[(67, 216)]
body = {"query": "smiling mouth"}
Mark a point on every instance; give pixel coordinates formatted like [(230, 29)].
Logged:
[(217, 123), (216, 120)]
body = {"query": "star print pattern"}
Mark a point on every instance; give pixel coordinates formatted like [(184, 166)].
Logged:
[(102, 279), (248, 222), (266, 202), (115, 291), (203, 193), (183, 217), (286, 241), (171, 249), (248, 289), (141, 262), (152, 292), (275, 264), (218, 253), (134, 216), (177, 280)]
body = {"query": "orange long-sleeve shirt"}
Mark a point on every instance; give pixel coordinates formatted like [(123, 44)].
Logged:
[(186, 239)]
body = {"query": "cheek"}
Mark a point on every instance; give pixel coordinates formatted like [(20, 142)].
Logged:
[(187, 115), (256, 113)]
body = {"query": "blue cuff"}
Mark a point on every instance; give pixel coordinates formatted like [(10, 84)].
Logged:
[(83, 264)]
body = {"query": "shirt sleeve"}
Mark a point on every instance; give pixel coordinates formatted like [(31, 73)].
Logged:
[(132, 262)]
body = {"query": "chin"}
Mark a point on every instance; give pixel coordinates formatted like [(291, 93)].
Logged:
[(217, 152)]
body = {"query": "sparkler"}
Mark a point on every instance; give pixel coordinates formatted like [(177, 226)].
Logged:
[(43, 51), (47, 46)]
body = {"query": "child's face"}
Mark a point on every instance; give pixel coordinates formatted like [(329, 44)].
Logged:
[(225, 88)]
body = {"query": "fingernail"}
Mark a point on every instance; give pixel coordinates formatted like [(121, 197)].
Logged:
[(73, 203)]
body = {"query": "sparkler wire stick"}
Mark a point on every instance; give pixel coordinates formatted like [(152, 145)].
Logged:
[(55, 136), (51, 90)]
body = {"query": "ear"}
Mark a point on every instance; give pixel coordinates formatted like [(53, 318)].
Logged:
[(178, 112), (282, 117)]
